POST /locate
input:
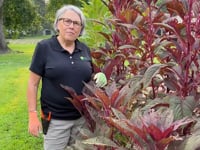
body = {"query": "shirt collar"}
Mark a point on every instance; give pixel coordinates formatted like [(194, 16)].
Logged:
[(58, 47)]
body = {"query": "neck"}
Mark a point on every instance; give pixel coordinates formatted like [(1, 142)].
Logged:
[(67, 45)]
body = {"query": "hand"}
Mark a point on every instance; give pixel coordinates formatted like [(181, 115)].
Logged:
[(100, 79), (34, 124)]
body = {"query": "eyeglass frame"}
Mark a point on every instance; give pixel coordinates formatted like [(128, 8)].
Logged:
[(75, 23)]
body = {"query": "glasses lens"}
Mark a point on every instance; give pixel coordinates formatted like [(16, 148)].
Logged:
[(76, 23), (68, 22)]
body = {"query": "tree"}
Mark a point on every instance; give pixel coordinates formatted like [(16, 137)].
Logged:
[(21, 18), (3, 46), (41, 9)]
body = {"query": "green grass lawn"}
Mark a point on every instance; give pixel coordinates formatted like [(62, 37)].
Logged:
[(13, 111)]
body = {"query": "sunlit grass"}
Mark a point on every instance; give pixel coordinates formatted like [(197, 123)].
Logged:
[(13, 111)]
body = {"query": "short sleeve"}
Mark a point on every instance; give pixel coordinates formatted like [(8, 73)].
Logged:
[(38, 60)]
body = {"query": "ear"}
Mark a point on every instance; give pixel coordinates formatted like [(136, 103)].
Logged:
[(81, 32), (57, 30), (56, 26)]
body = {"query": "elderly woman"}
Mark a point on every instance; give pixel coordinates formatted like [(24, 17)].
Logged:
[(62, 59)]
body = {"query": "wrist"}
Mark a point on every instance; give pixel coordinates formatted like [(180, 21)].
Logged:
[(32, 115), (32, 111)]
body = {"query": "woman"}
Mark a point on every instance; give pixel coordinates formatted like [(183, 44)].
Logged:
[(62, 59)]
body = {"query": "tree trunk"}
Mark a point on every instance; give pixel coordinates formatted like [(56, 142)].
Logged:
[(3, 45)]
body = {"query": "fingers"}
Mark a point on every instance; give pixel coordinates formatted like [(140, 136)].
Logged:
[(100, 79), (35, 131), (100, 83), (95, 76), (35, 127)]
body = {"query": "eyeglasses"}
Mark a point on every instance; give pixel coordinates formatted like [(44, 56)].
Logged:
[(68, 22)]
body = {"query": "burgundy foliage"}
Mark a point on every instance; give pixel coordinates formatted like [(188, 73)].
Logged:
[(151, 61)]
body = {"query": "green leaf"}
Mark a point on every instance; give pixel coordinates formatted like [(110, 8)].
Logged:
[(126, 63)]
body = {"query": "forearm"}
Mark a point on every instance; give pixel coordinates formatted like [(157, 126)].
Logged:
[(32, 91), (32, 98)]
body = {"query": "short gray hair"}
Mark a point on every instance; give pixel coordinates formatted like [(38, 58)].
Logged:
[(77, 10)]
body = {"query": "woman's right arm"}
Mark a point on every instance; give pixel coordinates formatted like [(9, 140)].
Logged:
[(32, 90)]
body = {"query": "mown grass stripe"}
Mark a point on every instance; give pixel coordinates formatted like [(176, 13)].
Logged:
[(13, 110)]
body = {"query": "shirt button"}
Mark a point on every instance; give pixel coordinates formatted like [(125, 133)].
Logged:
[(70, 57), (72, 62)]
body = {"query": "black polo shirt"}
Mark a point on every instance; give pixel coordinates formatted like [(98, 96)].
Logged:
[(56, 66)]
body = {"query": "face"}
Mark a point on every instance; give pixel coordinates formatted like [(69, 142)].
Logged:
[(69, 26)]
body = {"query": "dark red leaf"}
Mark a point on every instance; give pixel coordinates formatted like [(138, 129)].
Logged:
[(168, 131), (162, 144), (74, 99), (123, 128), (92, 100), (114, 96), (139, 131), (154, 132), (104, 98)]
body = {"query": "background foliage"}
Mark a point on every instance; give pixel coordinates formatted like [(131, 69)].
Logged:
[(53, 5), (95, 13), (30, 17), (20, 18)]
